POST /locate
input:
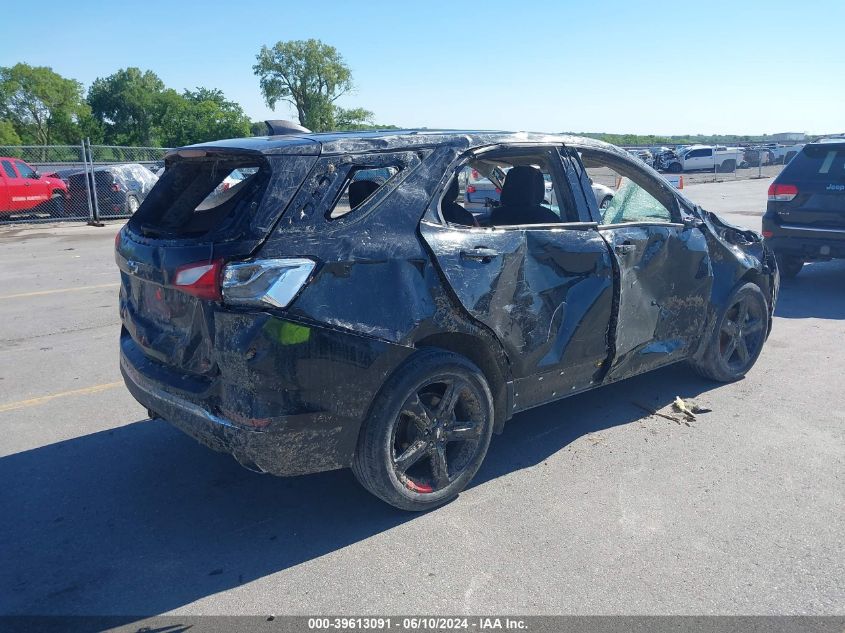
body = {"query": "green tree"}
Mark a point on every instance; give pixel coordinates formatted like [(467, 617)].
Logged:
[(127, 105), (352, 119), (258, 128), (8, 136), (308, 74), (42, 106), (200, 115)]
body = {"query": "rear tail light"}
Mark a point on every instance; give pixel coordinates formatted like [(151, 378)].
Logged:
[(226, 186), (265, 282), (115, 187), (470, 189), (498, 190), (767, 234), (782, 193), (201, 280)]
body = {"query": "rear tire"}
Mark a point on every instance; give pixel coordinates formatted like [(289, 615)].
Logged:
[(427, 433), (674, 168), (738, 338), (789, 266), (132, 205)]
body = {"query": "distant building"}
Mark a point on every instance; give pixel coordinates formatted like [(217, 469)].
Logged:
[(789, 136)]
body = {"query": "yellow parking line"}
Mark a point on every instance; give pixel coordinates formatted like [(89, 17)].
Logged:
[(39, 293), (32, 402)]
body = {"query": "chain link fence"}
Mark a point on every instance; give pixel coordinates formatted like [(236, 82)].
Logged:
[(84, 182)]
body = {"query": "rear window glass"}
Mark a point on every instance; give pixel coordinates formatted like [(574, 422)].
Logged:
[(195, 195), (819, 162)]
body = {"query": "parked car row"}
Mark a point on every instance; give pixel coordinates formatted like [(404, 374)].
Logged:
[(714, 157), (120, 189)]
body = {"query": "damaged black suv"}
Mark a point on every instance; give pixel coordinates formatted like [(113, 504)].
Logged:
[(339, 306)]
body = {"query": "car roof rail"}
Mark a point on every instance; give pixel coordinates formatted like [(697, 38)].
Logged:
[(279, 127)]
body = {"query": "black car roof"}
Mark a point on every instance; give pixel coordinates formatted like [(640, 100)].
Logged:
[(381, 140)]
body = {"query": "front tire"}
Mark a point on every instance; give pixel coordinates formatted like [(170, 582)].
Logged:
[(738, 340), (427, 433), (675, 168), (56, 206)]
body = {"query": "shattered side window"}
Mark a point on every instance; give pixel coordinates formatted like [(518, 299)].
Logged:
[(623, 193), (340, 184), (361, 184), (632, 203)]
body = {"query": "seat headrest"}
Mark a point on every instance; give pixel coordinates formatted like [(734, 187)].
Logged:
[(523, 186), (360, 190)]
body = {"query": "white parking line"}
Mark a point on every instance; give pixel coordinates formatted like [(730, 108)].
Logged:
[(39, 293)]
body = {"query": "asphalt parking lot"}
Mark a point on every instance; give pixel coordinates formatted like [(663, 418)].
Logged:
[(586, 506)]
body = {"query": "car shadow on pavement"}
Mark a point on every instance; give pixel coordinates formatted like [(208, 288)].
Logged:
[(818, 291), (141, 519)]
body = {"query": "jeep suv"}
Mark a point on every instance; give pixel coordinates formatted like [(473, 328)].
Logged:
[(805, 214)]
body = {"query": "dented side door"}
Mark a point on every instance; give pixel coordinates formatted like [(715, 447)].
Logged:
[(665, 280), (547, 294)]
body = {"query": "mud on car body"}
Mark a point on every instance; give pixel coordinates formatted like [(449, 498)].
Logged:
[(336, 308)]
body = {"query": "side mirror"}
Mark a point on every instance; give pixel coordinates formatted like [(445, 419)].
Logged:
[(35, 175)]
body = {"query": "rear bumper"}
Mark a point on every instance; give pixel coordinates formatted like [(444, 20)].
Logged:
[(806, 242), (291, 408)]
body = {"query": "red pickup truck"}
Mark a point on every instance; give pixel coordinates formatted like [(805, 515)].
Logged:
[(23, 189)]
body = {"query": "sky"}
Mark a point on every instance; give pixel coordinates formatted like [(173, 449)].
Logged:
[(640, 67)]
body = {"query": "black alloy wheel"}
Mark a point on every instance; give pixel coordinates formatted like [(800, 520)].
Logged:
[(427, 433), (437, 434), (738, 338), (742, 335)]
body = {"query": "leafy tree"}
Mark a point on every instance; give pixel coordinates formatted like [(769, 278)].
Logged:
[(258, 128), (127, 104), (308, 74), (200, 115), (8, 136), (358, 119), (42, 106), (352, 119)]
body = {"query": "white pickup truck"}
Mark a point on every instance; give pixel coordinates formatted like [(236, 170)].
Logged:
[(710, 157)]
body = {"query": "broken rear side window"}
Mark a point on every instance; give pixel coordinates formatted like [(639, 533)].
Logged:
[(195, 196), (361, 184)]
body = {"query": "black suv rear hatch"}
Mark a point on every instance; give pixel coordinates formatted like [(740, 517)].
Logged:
[(818, 173), (211, 205)]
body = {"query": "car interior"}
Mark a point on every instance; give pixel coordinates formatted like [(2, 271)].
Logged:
[(361, 183), (524, 192)]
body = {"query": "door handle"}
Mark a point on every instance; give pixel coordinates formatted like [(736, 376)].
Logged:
[(624, 249), (479, 253)]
